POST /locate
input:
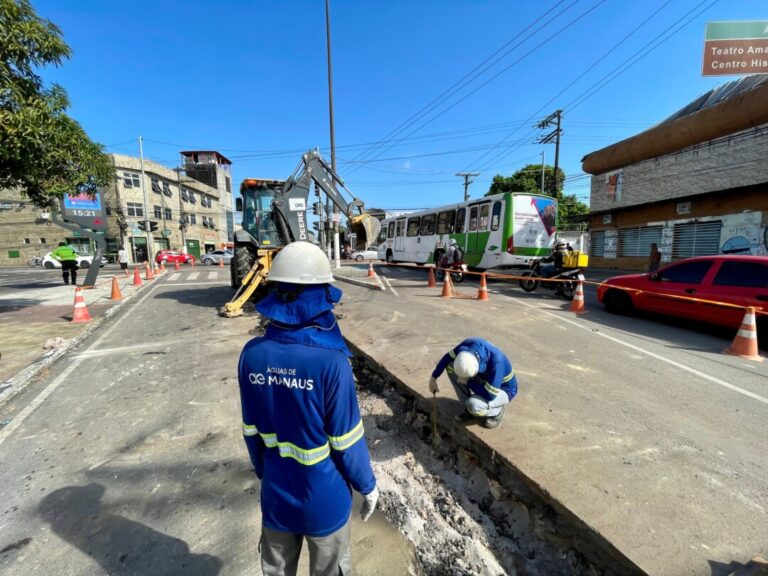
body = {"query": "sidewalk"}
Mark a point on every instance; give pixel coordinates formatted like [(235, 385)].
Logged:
[(36, 326)]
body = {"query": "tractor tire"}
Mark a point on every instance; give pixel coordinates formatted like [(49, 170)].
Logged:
[(242, 262)]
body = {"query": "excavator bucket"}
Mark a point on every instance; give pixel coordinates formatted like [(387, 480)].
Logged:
[(367, 229)]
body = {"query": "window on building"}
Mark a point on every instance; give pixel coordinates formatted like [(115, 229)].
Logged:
[(43, 241), (445, 222), (427, 225), (155, 185), (597, 243), (135, 209), (227, 184), (167, 189), (696, 239), (158, 210), (413, 226), (496, 216), (191, 196), (193, 219), (744, 274), (636, 242), (168, 214), (184, 195), (27, 241), (131, 180), (112, 245), (461, 215)]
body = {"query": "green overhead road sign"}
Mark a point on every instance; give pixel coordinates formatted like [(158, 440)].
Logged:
[(736, 48)]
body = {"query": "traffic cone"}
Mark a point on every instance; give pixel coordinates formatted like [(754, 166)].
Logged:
[(431, 282), (192, 262), (577, 304), (162, 265), (371, 271), (80, 312), (447, 290), (116, 295), (221, 264), (136, 276), (745, 342), (482, 292), (148, 275), (176, 265)]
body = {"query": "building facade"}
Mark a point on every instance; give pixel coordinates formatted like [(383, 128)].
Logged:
[(709, 197), (190, 215)]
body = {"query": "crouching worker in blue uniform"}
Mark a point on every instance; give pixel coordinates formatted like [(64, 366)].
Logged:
[(483, 378), (301, 420)]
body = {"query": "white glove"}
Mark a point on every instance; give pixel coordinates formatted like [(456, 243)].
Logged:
[(369, 504), (433, 387)]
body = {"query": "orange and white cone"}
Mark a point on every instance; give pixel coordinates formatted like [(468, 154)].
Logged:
[(745, 342), (371, 271), (447, 289), (577, 304), (192, 262), (176, 265), (80, 311), (149, 274), (482, 291), (431, 281), (221, 263), (162, 265), (136, 276), (116, 295)]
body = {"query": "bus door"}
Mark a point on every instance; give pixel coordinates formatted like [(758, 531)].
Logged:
[(399, 244), (477, 235)]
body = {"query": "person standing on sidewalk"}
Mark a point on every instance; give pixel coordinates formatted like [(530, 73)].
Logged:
[(122, 258), (654, 258), (483, 378), (68, 259), (301, 420)]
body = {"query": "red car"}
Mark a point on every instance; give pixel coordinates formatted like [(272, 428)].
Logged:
[(173, 256), (694, 288)]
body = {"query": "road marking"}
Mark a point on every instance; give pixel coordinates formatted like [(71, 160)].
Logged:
[(193, 276), (389, 285), (219, 283), (211, 276), (106, 351), (175, 276), (51, 388), (669, 361)]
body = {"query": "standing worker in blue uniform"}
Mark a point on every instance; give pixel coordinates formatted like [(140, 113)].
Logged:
[(483, 378), (68, 259), (301, 420)]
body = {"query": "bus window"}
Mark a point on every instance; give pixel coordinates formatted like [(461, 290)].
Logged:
[(484, 210), (473, 219), (382, 236), (461, 215), (400, 228), (496, 216), (445, 222), (427, 225), (391, 230), (413, 227)]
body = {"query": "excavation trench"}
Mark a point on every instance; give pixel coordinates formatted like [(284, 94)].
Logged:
[(464, 509)]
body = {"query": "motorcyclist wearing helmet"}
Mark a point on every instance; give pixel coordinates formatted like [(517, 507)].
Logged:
[(483, 378), (301, 419), (454, 254), (556, 259)]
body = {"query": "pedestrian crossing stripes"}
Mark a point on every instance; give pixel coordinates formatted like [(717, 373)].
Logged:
[(198, 277)]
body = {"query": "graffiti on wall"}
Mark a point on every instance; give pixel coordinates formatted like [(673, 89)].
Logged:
[(744, 234)]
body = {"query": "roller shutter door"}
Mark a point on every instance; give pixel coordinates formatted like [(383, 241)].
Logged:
[(696, 239), (597, 243), (636, 242)]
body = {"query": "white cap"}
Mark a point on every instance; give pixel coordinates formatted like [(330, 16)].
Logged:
[(301, 263), (466, 365)]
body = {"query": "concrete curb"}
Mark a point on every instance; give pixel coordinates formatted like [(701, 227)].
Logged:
[(17, 383), (364, 284)]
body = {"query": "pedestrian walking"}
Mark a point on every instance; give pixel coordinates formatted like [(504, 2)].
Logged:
[(482, 377), (301, 420), (122, 258), (654, 259), (68, 259)]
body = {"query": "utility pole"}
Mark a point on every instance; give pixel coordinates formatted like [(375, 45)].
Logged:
[(146, 202), (542, 172), (467, 181), (553, 136), (336, 248)]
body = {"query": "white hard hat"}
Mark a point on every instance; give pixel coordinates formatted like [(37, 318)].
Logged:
[(301, 263), (466, 365)]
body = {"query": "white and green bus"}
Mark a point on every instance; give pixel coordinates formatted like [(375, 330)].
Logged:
[(499, 231)]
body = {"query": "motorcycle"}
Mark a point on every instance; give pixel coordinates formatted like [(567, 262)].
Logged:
[(566, 284), (457, 270)]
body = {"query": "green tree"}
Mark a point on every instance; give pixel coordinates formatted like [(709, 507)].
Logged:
[(43, 152), (528, 180)]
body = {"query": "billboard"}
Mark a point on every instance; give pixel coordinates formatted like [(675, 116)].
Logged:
[(735, 48)]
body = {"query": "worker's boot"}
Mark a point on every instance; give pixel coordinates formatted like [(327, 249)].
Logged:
[(494, 421), (466, 418)]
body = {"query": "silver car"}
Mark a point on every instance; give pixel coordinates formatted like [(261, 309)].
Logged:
[(213, 258)]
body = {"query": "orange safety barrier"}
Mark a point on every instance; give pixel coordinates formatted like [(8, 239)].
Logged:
[(116, 295), (745, 342), (577, 304), (149, 274), (80, 311), (136, 276), (482, 291), (431, 281)]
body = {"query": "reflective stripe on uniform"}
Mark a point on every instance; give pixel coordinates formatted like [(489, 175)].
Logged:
[(509, 376), (490, 389), (345, 441), (249, 430), (301, 455), (452, 354)]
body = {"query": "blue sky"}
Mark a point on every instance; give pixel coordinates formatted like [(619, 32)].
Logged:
[(462, 82)]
